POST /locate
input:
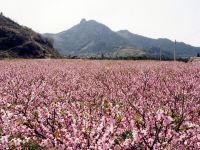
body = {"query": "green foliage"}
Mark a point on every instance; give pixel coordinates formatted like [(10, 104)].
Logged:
[(138, 146), (1, 132), (106, 107), (198, 111), (137, 120), (32, 146), (19, 136), (177, 121), (116, 142), (127, 135), (119, 119), (35, 114)]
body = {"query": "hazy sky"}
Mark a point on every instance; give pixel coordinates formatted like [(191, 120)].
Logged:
[(173, 19)]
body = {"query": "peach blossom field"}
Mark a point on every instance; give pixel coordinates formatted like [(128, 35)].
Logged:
[(93, 104)]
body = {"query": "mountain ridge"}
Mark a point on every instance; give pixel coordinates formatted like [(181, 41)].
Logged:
[(91, 38), (165, 44)]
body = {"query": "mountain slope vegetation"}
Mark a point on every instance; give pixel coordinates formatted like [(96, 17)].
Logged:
[(17, 41), (90, 38)]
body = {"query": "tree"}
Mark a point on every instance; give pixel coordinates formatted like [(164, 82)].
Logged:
[(102, 56)]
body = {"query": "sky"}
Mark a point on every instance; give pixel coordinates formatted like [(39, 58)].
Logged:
[(173, 19)]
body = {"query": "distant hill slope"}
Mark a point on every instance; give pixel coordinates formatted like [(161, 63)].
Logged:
[(90, 38), (166, 46), (17, 41)]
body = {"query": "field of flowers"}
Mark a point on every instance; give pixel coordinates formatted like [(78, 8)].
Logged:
[(82, 104)]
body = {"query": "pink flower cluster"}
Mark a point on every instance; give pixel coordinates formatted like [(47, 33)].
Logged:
[(80, 104)]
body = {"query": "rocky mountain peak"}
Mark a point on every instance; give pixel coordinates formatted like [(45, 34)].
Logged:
[(91, 38), (83, 21)]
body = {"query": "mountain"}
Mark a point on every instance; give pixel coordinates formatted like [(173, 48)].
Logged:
[(167, 46), (90, 38), (17, 41)]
